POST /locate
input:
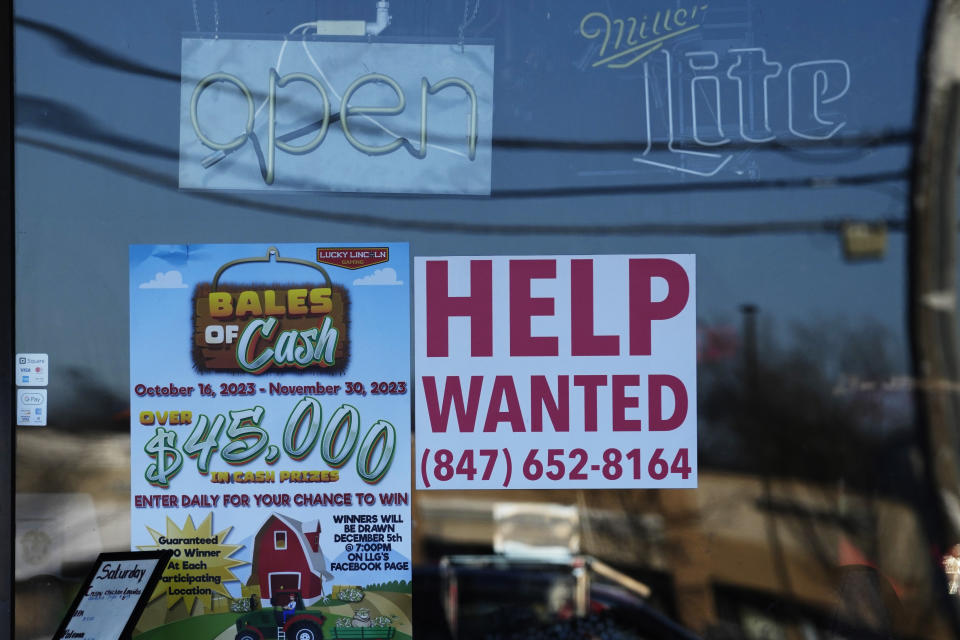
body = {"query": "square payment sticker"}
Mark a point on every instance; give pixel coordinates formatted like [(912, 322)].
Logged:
[(31, 369)]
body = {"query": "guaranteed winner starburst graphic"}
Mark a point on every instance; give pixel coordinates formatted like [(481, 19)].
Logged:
[(200, 565)]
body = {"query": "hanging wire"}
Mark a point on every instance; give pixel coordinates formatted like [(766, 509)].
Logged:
[(196, 16), (216, 16), (467, 20)]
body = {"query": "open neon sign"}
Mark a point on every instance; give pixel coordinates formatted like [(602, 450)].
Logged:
[(411, 117), (277, 82)]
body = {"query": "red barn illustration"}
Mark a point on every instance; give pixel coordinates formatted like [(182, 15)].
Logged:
[(287, 557)]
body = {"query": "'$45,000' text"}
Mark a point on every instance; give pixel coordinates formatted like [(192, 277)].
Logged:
[(248, 440)]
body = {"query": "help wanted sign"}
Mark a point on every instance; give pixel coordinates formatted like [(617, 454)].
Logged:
[(556, 372)]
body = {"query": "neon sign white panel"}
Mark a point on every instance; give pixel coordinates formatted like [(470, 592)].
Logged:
[(336, 116)]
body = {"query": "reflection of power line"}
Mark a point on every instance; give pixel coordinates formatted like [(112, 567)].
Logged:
[(164, 180), (98, 55), (47, 114), (861, 141), (44, 114), (636, 189), (730, 185)]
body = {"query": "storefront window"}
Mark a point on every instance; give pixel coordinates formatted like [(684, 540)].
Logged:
[(773, 145)]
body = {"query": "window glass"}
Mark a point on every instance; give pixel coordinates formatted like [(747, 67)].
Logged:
[(773, 141)]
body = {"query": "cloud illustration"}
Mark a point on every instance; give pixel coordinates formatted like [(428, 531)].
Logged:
[(385, 276), (169, 280)]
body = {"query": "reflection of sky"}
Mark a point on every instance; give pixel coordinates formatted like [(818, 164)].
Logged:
[(77, 216)]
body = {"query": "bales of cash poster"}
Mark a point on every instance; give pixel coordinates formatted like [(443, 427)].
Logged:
[(270, 438)]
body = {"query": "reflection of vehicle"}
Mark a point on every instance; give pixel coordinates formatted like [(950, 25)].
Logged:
[(521, 597), (261, 624)]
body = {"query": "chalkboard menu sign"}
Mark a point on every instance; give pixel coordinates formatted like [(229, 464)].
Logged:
[(113, 596)]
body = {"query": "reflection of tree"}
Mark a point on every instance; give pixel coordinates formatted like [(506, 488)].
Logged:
[(818, 416), (96, 406), (783, 410)]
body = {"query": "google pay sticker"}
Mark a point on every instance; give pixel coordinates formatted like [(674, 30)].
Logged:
[(32, 407)]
